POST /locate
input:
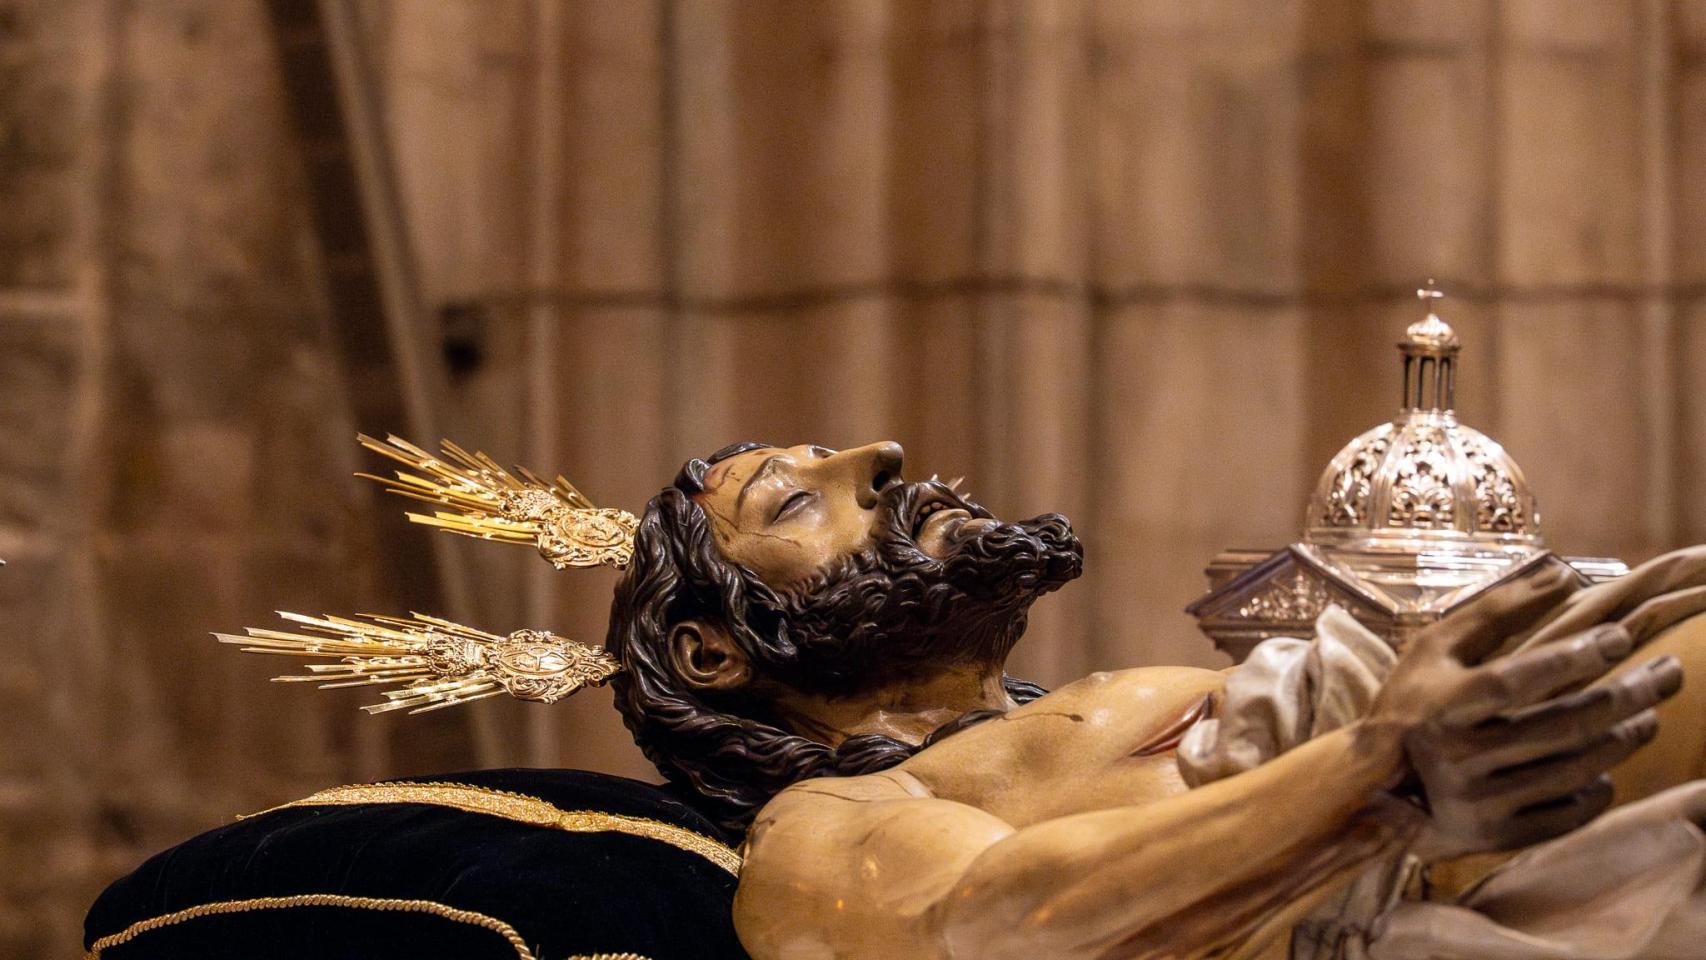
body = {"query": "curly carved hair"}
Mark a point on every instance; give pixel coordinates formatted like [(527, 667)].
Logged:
[(729, 752)]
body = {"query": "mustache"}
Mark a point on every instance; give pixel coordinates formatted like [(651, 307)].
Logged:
[(1006, 560), (899, 504)]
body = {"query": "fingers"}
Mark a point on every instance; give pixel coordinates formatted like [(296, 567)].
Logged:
[(1539, 800), (1480, 627), (1537, 672), (1575, 721), (1662, 612), (1542, 780), (1675, 571), (1528, 677), (1599, 707), (1554, 818)]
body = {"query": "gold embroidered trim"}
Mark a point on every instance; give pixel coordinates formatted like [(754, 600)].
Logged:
[(325, 900), (523, 809)]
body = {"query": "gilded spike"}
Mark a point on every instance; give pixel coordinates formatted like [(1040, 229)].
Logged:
[(434, 663), (479, 498)]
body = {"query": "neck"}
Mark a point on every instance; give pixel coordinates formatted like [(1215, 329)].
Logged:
[(908, 711)]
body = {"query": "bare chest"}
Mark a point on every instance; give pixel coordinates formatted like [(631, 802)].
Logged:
[(1105, 741)]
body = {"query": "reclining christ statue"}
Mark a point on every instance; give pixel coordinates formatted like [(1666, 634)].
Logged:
[(815, 647)]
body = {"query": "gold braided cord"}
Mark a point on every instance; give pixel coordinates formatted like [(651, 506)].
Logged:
[(522, 808), (320, 900)]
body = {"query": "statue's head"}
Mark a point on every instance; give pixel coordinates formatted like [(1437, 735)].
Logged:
[(766, 574)]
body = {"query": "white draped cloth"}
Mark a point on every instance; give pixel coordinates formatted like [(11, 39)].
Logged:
[(1628, 886)]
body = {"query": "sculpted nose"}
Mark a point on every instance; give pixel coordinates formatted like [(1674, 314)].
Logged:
[(876, 467)]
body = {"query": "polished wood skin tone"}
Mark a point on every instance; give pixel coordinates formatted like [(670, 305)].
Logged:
[(1063, 828), (1043, 834)]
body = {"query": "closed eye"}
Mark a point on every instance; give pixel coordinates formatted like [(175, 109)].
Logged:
[(794, 501)]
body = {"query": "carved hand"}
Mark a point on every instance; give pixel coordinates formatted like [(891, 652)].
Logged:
[(1511, 751)]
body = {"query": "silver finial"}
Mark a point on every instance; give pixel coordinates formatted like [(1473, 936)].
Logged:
[(1430, 350)]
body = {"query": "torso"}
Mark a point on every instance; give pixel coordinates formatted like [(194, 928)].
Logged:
[(1104, 741), (848, 867)]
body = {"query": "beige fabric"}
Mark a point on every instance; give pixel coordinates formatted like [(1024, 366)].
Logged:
[(1626, 887), (1287, 692)]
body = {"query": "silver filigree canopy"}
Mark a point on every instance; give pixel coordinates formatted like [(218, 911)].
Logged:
[(1425, 479), (1409, 520)]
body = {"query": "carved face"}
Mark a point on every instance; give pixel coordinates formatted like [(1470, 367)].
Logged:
[(877, 577), (789, 513)]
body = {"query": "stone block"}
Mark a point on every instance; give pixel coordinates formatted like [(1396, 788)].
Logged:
[(937, 184), (939, 382), (1571, 176), (1427, 184), (43, 368), (1689, 207), (1572, 414), (456, 78), (839, 346), (1039, 374), (1197, 138), (612, 179), (1036, 162), (41, 109), (1688, 20), (783, 162), (1690, 427), (616, 393), (1182, 451), (1429, 25), (1577, 26)]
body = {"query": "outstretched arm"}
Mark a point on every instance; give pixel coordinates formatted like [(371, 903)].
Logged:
[(859, 868), (1232, 863)]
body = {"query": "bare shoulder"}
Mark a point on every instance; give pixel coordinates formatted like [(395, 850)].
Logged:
[(1114, 709), (1159, 682), (865, 858), (862, 862)]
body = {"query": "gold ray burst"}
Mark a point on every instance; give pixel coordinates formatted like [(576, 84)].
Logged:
[(437, 663), (482, 499)]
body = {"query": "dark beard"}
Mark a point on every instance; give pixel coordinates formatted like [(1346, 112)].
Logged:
[(892, 611)]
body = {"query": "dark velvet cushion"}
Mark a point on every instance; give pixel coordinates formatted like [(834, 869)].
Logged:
[(419, 880)]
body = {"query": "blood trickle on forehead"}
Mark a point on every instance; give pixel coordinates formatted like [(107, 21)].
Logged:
[(778, 557), (719, 473), (737, 470), (726, 478)]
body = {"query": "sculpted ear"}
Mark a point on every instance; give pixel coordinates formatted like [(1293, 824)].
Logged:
[(707, 658)]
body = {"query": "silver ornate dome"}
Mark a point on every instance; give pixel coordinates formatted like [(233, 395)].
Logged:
[(1411, 519), (1419, 508), (1425, 477)]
